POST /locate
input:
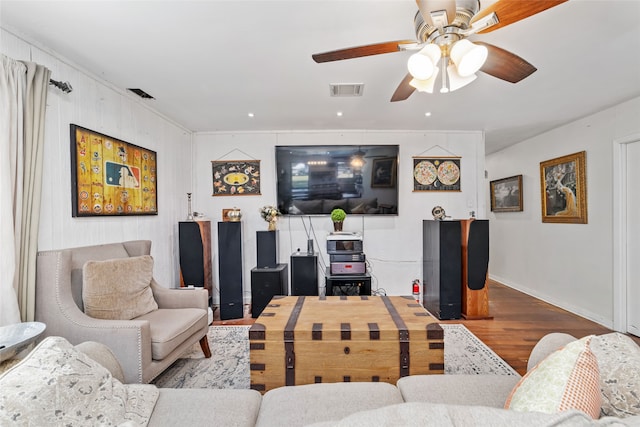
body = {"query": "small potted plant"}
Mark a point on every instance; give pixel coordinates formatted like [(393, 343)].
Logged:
[(337, 216)]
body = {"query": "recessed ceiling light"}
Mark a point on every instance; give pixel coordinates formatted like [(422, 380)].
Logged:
[(339, 114), (250, 115), (427, 114)]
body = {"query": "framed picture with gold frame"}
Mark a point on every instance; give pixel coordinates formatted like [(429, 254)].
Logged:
[(111, 177), (564, 189)]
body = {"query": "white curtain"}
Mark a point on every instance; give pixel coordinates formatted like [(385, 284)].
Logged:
[(23, 96)]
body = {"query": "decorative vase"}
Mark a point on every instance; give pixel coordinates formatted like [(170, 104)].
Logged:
[(234, 215), (272, 225), (337, 225)]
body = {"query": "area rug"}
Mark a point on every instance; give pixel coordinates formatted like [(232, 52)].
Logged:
[(228, 366)]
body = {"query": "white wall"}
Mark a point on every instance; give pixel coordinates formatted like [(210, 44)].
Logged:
[(568, 265), (393, 245), (100, 107)]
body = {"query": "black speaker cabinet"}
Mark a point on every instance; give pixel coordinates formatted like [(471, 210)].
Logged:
[(304, 274), (475, 265), (267, 283), (194, 242), (267, 246), (230, 269), (442, 268)]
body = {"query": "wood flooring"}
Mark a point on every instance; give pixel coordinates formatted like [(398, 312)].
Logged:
[(519, 321)]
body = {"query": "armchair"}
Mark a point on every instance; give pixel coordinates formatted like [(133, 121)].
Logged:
[(146, 345)]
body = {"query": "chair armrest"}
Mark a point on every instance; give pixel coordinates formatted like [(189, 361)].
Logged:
[(180, 298)]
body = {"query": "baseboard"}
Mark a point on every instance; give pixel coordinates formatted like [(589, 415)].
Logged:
[(607, 323)]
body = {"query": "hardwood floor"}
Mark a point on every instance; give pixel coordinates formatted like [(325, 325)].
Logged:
[(519, 321)]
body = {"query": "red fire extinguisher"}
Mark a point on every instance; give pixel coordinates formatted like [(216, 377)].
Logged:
[(416, 290)]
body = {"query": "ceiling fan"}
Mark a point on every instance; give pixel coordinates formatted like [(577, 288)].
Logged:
[(442, 28)]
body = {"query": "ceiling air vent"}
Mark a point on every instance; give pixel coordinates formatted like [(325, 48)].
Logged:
[(346, 89), (141, 93)]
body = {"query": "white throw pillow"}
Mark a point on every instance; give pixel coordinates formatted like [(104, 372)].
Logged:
[(56, 385), (118, 289), (566, 379)]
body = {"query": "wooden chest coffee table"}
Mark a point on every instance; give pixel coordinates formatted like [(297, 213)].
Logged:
[(304, 340)]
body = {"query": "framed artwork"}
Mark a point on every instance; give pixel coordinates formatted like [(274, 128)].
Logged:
[(564, 189), (506, 194), (383, 173), (110, 177), (236, 178), (436, 174)]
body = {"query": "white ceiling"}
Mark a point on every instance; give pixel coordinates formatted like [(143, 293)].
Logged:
[(209, 63)]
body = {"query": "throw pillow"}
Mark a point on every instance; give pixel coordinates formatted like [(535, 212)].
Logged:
[(619, 364), (566, 379), (118, 289), (56, 385)]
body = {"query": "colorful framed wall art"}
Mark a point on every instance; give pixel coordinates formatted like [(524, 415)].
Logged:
[(564, 189), (111, 177), (436, 174), (236, 177)]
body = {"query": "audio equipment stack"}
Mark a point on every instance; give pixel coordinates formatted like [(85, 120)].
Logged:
[(347, 271)]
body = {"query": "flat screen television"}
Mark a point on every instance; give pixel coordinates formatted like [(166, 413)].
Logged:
[(314, 179)]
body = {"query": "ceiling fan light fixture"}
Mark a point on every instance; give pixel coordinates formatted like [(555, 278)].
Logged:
[(468, 57), (421, 65), (456, 81), (427, 84)]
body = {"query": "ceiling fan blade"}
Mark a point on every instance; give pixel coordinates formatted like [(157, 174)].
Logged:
[(510, 11), (426, 7), (360, 51), (404, 89), (505, 65)]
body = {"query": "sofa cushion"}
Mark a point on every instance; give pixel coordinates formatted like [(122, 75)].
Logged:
[(118, 289), (312, 403), (206, 407), (566, 379), (171, 327), (308, 206), (58, 385), (415, 414), (619, 364), (328, 205), (458, 389)]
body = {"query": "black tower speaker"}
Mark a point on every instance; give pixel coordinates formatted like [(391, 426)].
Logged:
[(265, 284), (230, 269), (267, 246), (442, 268), (191, 253), (478, 254), (304, 274)]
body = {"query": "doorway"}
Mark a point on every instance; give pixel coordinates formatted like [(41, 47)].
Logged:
[(626, 242)]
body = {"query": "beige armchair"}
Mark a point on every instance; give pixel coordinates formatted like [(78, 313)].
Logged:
[(146, 345)]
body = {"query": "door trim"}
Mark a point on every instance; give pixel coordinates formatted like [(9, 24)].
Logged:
[(620, 230)]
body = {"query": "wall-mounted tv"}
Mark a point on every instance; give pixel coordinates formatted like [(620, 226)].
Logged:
[(314, 179)]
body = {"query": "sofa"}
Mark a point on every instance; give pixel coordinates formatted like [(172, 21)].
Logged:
[(61, 384), (107, 293)]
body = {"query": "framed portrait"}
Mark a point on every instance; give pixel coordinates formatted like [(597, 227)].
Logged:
[(111, 177), (436, 174), (564, 189), (383, 173), (236, 178), (506, 194)]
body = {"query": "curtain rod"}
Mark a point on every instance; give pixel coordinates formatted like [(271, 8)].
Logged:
[(63, 86)]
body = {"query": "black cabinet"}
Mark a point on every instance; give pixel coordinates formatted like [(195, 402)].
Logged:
[(304, 274), (267, 283), (352, 284), (230, 269), (442, 268)]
